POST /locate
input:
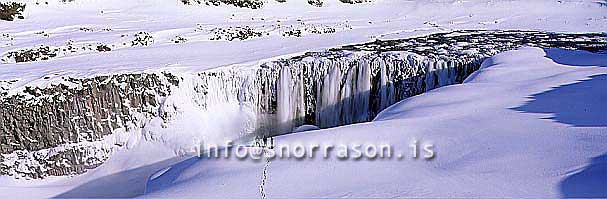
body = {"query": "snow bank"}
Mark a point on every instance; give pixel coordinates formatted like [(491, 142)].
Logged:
[(486, 144)]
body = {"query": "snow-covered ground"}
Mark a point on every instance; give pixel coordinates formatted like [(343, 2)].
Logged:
[(86, 24), (529, 124), (523, 126)]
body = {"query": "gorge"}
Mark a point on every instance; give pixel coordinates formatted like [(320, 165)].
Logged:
[(71, 126)]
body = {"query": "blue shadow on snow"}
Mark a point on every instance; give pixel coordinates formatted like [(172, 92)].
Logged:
[(576, 57), (581, 104), (589, 182)]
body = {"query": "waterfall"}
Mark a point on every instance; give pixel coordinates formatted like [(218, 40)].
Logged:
[(327, 91)]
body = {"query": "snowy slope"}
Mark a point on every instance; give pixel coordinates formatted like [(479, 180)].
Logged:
[(523, 126)]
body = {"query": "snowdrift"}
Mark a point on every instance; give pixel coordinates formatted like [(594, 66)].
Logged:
[(506, 132)]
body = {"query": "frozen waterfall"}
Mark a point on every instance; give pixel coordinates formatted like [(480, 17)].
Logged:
[(327, 90)]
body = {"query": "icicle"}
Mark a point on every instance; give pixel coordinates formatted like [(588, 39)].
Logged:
[(386, 89), (300, 103), (330, 96), (363, 92), (451, 66), (284, 106), (347, 97), (439, 73), (430, 75)]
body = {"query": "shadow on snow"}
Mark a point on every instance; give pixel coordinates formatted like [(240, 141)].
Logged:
[(589, 182), (581, 104)]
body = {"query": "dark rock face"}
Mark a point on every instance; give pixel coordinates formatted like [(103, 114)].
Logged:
[(58, 115), (58, 129)]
